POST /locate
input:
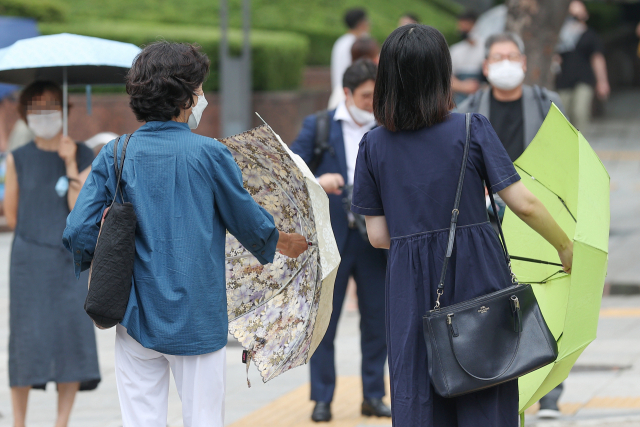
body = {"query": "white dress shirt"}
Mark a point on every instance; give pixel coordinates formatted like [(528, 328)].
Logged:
[(341, 58), (352, 134)]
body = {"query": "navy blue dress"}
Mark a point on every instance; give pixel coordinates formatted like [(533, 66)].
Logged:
[(410, 177)]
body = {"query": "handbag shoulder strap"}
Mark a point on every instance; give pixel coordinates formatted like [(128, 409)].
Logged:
[(121, 167), (503, 241), (455, 212)]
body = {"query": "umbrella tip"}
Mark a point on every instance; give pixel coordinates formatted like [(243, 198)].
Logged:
[(259, 116)]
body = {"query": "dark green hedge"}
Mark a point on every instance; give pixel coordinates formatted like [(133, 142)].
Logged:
[(40, 10), (321, 21), (278, 57)]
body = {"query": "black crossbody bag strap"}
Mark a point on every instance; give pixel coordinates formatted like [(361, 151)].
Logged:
[(121, 167), (456, 212)]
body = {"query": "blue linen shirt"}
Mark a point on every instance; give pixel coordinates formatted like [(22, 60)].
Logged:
[(186, 190)]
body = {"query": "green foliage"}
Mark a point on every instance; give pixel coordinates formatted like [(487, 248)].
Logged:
[(320, 20), (278, 57), (41, 10)]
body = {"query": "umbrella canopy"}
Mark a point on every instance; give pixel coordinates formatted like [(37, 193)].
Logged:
[(279, 312), (564, 172), (87, 60), (66, 59)]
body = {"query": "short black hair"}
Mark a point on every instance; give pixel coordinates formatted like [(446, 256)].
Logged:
[(468, 15), (411, 16), (359, 72), (354, 16), (164, 78), (413, 87), (34, 89)]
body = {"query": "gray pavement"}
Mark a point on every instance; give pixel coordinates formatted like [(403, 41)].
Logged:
[(616, 138), (603, 389)]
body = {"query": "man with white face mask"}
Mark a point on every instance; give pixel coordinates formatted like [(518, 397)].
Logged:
[(516, 111), (329, 142)]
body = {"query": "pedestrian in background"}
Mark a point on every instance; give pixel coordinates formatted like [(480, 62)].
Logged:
[(344, 128), (583, 68), (358, 25), (365, 47), (51, 337), (516, 111), (405, 184), (186, 191), (467, 57)]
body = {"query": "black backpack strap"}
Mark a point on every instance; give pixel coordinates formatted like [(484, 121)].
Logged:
[(120, 168), (321, 141), (542, 98)]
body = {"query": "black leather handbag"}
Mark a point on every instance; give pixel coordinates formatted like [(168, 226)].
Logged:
[(112, 266), (487, 340)]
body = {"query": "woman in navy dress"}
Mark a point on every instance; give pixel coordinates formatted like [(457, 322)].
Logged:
[(405, 183)]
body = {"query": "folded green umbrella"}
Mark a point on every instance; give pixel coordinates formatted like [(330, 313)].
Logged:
[(564, 172)]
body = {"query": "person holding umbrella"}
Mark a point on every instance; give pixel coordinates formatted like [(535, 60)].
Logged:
[(405, 183), (186, 191), (51, 338)]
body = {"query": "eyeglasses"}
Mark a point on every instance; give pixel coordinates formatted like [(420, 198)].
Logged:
[(496, 57)]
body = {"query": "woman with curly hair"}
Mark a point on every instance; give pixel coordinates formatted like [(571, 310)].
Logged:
[(186, 191), (51, 339)]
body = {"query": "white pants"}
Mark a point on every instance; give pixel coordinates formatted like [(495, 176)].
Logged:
[(142, 376)]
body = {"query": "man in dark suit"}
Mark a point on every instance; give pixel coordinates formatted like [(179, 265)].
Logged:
[(334, 167)]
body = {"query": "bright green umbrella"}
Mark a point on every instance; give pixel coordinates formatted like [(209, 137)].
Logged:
[(564, 172)]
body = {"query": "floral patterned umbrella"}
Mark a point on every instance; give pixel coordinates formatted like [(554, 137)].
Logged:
[(280, 311)]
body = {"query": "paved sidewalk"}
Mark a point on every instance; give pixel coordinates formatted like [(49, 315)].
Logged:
[(616, 140)]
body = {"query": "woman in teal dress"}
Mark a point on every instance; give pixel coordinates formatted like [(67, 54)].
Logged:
[(51, 337)]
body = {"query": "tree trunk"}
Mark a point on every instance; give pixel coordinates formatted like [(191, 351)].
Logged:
[(538, 22)]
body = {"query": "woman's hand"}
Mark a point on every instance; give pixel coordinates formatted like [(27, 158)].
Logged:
[(67, 150), (566, 257), (291, 244)]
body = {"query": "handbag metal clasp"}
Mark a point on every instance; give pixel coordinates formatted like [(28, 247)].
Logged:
[(439, 292)]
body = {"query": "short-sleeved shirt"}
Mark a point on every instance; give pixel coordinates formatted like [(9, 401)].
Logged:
[(399, 171), (576, 64), (186, 191)]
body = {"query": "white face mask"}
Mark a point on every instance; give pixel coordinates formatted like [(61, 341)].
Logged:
[(196, 112), (506, 75), (45, 125), (361, 117)]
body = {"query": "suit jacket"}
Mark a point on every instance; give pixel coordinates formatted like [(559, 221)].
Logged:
[(333, 161), (536, 102)]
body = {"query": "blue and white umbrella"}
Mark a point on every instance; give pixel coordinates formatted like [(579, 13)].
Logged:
[(66, 59)]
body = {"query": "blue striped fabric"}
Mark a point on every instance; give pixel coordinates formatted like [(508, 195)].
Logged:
[(186, 190)]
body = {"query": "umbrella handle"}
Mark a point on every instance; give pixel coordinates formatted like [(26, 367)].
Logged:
[(65, 103)]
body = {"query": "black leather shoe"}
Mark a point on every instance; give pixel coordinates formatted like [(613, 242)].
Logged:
[(375, 407), (322, 412)]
